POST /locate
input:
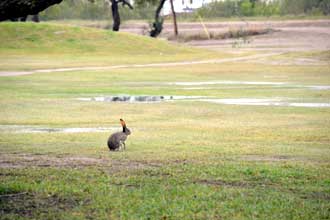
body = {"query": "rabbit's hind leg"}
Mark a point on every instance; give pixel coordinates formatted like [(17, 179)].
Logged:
[(122, 146)]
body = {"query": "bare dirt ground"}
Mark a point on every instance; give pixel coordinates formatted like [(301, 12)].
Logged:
[(22, 160), (287, 36)]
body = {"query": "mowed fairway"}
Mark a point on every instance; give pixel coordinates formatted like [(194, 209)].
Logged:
[(196, 158)]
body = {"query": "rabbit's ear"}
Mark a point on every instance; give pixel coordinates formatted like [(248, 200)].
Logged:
[(122, 122)]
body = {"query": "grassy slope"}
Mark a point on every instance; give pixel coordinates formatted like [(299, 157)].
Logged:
[(49, 45), (212, 161)]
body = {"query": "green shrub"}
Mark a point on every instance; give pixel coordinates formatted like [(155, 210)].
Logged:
[(96, 10), (100, 9), (246, 8)]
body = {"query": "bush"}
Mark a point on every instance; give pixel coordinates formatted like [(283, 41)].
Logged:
[(325, 7), (77, 9), (217, 9), (232, 8), (308, 7), (100, 9), (246, 8), (96, 10)]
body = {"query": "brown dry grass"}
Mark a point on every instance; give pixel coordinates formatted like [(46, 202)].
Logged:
[(216, 35)]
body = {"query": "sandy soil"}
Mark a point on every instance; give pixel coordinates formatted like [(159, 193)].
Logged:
[(298, 35), (288, 36)]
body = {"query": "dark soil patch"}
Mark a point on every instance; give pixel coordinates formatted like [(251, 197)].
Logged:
[(29, 205), (265, 158), (226, 183), (317, 196), (60, 161)]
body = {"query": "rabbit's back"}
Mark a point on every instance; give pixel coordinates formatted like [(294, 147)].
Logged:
[(115, 140)]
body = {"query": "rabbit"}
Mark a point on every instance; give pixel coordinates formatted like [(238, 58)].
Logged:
[(117, 140)]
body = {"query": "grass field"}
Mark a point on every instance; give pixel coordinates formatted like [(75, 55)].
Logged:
[(54, 46), (185, 159)]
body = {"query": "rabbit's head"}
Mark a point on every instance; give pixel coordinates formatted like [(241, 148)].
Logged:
[(125, 129)]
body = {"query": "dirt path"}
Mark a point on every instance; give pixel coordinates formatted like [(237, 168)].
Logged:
[(168, 64), (288, 35), (28, 160), (284, 39), (22, 160)]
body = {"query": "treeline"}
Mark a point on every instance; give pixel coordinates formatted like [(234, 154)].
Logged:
[(100, 9), (95, 10), (231, 8)]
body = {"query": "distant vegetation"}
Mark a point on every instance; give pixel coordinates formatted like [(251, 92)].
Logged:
[(100, 9), (230, 8)]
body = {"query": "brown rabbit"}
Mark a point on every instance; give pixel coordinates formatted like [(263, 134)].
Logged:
[(117, 140)]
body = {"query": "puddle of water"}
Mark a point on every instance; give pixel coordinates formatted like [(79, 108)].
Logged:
[(319, 87), (265, 102), (37, 129), (311, 105), (239, 101), (225, 83), (14, 73), (133, 99), (244, 101)]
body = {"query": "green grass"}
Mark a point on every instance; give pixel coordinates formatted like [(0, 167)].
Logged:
[(50, 46), (184, 159), (323, 56)]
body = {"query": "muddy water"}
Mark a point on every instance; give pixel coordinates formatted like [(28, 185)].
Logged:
[(135, 99)]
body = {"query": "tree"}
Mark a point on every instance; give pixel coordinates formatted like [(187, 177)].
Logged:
[(157, 26), (325, 7), (115, 12), (174, 19), (246, 8), (14, 9)]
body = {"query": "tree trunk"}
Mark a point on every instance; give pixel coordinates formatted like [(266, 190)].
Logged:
[(23, 19), (157, 26), (174, 19), (13, 9), (115, 15), (35, 18)]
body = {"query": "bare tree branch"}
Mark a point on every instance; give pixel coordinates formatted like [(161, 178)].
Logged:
[(126, 3)]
